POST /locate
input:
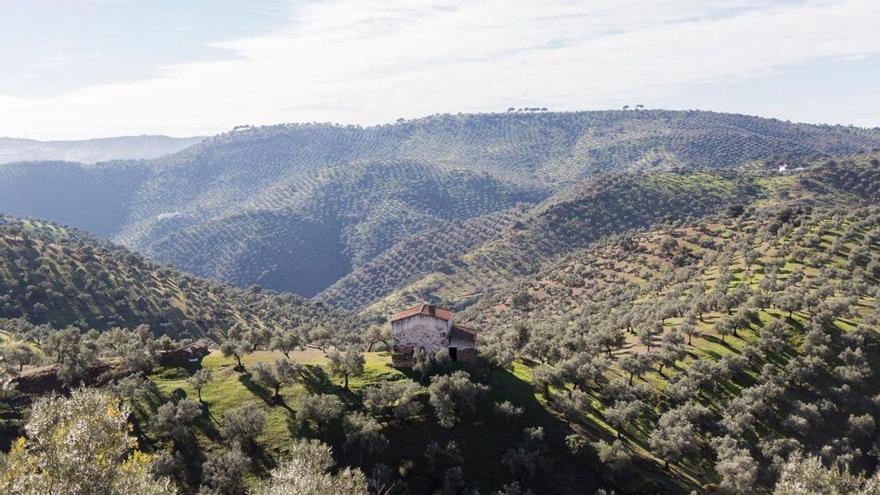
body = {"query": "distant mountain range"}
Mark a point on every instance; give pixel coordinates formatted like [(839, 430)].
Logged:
[(92, 150), (353, 215)]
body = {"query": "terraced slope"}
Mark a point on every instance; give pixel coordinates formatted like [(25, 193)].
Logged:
[(362, 190), (783, 305), (61, 276), (573, 220), (345, 218), (612, 204), (427, 251)]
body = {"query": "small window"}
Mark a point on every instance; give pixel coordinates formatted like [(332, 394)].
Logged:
[(453, 353)]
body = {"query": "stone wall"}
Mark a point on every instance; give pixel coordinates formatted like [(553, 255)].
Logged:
[(421, 331)]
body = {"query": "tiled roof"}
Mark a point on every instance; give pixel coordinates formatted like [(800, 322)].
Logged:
[(424, 309)]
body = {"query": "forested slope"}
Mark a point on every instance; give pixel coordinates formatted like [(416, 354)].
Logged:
[(365, 189), (730, 343), (615, 203), (61, 276)]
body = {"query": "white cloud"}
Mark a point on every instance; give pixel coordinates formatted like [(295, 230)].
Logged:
[(374, 61)]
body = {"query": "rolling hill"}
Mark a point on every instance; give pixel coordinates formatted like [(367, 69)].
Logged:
[(673, 314), (62, 276), (299, 207), (612, 204)]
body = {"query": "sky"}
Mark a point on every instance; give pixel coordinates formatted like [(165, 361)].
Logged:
[(72, 69)]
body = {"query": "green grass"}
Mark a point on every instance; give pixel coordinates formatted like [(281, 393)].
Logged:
[(482, 438)]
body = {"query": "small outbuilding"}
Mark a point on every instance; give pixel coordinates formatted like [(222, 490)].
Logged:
[(429, 328), (182, 356)]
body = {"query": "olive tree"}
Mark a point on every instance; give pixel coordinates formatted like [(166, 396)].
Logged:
[(363, 433), (242, 425), (735, 465), (307, 471), (393, 400), (225, 474), (79, 445), (454, 395), (199, 380), (622, 413), (807, 476), (676, 434), (528, 456), (319, 411), (276, 375), (174, 420), (346, 363)]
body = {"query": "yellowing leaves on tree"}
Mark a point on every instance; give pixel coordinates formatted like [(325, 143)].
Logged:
[(78, 446)]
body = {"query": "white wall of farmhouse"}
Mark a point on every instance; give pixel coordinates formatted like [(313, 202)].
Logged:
[(422, 331)]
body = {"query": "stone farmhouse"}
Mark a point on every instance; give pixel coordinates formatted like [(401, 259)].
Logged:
[(431, 329)]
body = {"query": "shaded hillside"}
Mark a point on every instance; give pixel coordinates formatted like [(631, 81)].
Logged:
[(572, 220), (611, 204), (58, 275), (93, 198), (92, 150), (365, 189), (344, 218), (416, 255)]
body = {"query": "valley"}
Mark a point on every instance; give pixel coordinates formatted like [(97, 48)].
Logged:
[(663, 302)]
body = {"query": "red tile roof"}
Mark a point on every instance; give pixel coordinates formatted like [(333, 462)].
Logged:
[(424, 309)]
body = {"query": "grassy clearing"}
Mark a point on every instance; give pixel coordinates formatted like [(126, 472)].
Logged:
[(482, 439)]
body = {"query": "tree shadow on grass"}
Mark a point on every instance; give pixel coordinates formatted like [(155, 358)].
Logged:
[(316, 381), (263, 462), (248, 382), (207, 424)]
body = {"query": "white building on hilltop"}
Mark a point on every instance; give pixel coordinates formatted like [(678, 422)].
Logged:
[(431, 329)]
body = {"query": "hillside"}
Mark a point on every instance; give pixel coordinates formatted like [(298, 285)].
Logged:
[(766, 319), (92, 150), (61, 276), (572, 220), (615, 203), (647, 331), (236, 206), (688, 356), (414, 256), (344, 218)]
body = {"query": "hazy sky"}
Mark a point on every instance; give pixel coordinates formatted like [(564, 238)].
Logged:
[(88, 68)]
